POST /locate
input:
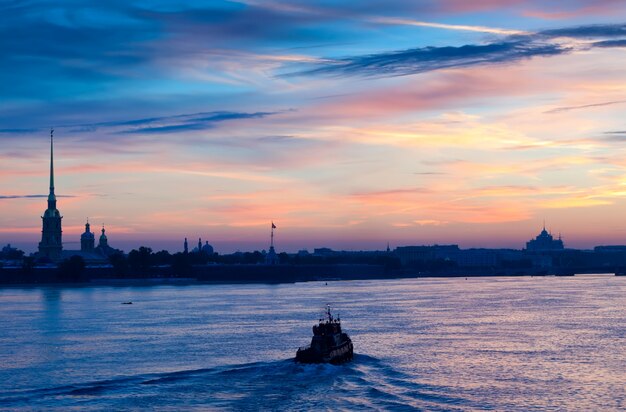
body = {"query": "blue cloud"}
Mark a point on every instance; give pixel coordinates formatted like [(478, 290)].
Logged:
[(412, 61), (168, 129), (198, 121), (80, 48), (152, 125), (610, 43), (510, 49), (588, 32)]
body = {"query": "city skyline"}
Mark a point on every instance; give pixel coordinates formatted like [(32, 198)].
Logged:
[(348, 126), (51, 244)]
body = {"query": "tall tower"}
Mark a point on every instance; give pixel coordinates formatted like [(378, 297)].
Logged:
[(51, 245), (272, 258)]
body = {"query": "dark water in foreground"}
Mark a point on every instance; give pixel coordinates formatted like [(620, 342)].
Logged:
[(427, 344)]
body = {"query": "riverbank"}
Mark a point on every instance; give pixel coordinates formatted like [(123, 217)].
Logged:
[(249, 274)]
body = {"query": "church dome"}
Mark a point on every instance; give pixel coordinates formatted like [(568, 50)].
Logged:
[(88, 234), (103, 237), (208, 249)]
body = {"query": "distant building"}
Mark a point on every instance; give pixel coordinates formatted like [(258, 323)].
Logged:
[(326, 252), (98, 255), (408, 254), (477, 258), (610, 249), (540, 260), (8, 249), (271, 258), (207, 249), (10, 255), (323, 251), (87, 240), (544, 242), (51, 245), (103, 245)]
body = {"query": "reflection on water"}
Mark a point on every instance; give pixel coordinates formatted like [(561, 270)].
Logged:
[(434, 344)]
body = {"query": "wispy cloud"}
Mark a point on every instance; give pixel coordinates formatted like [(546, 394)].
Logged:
[(3, 197), (153, 125), (615, 136), (583, 106), (587, 31), (573, 9), (457, 27), (420, 60), (610, 43), (515, 46), (190, 122)]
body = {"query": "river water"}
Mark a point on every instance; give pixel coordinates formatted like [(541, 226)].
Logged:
[(541, 343)]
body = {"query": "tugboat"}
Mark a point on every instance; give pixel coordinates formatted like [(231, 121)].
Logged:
[(329, 343)]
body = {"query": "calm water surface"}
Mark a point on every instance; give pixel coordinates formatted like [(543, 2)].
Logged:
[(422, 344)]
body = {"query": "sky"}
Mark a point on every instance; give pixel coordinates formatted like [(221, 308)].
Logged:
[(349, 124)]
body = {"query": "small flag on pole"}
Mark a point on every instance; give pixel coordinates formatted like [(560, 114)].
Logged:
[(273, 225)]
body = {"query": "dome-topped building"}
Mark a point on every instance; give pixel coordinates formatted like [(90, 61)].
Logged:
[(51, 246), (104, 241), (207, 249), (87, 239), (103, 245), (92, 255), (204, 249), (544, 242)]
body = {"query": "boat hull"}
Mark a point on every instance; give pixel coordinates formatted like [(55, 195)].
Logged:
[(337, 355)]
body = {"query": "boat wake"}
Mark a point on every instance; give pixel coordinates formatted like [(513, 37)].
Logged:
[(365, 383)]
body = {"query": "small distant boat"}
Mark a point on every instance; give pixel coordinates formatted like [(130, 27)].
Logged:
[(127, 303), (329, 343)]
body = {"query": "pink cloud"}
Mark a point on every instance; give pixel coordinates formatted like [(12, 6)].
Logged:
[(435, 91), (462, 6), (568, 10)]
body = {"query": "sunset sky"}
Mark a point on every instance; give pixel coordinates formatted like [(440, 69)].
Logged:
[(408, 122)]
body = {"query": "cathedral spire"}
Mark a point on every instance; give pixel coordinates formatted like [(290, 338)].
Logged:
[(52, 199), (51, 244)]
